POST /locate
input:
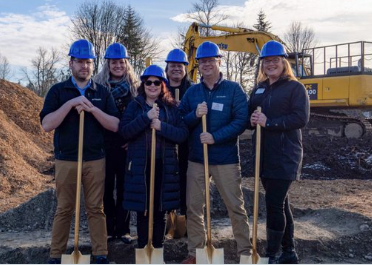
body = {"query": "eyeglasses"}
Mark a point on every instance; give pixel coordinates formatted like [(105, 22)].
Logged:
[(156, 83), (81, 62), (210, 61), (274, 60)]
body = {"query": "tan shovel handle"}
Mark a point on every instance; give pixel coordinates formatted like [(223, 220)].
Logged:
[(206, 176), (177, 94), (256, 188), (152, 185), (78, 183)]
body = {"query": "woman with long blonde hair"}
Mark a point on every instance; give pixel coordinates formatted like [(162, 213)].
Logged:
[(117, 74)]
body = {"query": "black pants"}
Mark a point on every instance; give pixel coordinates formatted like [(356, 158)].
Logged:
[(183, 157), (159, 216), (279, 214), (117, 219)]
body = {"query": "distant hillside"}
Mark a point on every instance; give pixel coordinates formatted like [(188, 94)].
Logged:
[(25, 149)]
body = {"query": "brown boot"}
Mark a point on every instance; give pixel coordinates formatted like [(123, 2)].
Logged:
[(189, 260)]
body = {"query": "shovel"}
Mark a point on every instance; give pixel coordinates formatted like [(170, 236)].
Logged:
[(176, 224), (149, 254), (76, 257), (255, 258), (208, 254)]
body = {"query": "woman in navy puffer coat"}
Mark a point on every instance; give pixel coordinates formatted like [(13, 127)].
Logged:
[(135, 126)]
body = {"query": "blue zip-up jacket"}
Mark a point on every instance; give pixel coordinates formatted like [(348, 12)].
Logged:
[(135, 127), (226, 120), (66, 135)]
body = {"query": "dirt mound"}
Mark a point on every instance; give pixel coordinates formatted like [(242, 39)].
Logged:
[(325, 158), (25, 150)]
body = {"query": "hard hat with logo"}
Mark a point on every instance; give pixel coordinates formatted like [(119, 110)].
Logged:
[(116, 51), (273, 48), (177, 56), (82, 49), (207, 49), (154, 70)]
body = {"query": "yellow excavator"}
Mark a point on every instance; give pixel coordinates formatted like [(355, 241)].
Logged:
[(338, 78)]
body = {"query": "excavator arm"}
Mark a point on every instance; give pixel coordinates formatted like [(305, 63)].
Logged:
[(235, 39)]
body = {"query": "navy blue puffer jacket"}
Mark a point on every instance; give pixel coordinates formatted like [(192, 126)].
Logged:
[(226, 120), (135, 127)]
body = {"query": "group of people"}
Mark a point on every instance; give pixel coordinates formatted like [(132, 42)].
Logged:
[(121, 111)]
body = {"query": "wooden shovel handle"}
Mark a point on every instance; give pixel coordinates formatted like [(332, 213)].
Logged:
[(78, 182), (206, 177), (152, 185), (256, 185)]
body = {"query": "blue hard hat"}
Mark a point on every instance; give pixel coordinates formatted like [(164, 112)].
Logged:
[(116, 51), (82, 49), (154, 70), (273, 48), (177, 56), (207, 49)]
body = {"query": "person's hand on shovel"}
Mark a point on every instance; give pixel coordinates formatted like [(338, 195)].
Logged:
[(206, 138)]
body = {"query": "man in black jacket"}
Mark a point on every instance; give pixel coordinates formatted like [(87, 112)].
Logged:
[(61, 110)]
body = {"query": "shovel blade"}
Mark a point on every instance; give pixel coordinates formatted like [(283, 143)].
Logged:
[(209, 255), (77, 258), (254, 259), (149, 255)]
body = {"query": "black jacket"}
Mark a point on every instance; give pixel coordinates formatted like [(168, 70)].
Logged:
[(66, 135), (135, 127), (286, 106)]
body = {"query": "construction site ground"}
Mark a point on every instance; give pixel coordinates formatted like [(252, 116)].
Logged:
[(332, 203)]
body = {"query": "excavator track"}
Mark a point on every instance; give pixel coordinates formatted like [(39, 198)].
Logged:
[(322, 124)]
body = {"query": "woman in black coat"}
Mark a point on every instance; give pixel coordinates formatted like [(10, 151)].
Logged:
[(135, 126), (285, 110)]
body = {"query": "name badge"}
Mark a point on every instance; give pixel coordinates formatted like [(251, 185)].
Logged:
[(217, 106), (260, 91)]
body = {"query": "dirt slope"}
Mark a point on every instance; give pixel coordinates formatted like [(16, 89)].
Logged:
[(25, 150)]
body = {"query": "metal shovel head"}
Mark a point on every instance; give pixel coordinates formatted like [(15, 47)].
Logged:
[(257, 260), (149, 255), (209, 255), (77, 258)]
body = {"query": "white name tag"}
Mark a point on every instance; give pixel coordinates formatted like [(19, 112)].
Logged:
[(260, 90), (217, 106)]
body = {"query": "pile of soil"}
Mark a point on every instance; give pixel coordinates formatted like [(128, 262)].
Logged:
[(25, 149), (325, 158)]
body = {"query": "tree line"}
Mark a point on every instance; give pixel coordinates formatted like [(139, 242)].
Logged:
[(104, 22)]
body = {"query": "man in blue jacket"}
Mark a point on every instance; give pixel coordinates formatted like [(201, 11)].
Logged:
[(62, 106), (226, 107)]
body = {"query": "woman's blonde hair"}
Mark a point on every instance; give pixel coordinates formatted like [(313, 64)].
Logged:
[(103, 77), (287, 72)]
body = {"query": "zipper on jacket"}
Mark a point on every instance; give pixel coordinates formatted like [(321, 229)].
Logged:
[(162, 180), (130, 165)]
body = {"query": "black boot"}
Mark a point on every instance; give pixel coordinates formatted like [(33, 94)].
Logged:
[(289, 255), (274, 240)]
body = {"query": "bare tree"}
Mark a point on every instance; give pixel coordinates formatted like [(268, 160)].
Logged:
[(299, 37), (205, 12), (44, 71), (98, 23), (5, 71), (105, 22)]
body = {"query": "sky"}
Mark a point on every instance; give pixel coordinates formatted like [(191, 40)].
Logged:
[(26, 25)]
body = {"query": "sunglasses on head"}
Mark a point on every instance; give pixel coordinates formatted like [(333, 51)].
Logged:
[(156, 83)]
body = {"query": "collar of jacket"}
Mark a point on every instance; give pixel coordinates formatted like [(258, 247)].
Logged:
[(142, 101), (219, 81), (280, 81), (69, 84)]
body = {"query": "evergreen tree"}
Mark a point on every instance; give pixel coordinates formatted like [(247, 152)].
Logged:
[(262, 23)]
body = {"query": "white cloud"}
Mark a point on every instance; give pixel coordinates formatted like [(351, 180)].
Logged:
[(332, 21), (21, 35)]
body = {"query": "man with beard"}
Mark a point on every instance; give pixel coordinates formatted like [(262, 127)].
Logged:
[(62, 107)]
